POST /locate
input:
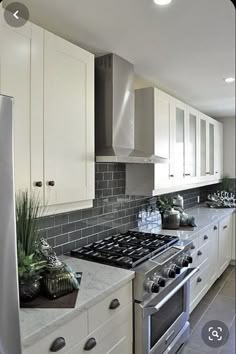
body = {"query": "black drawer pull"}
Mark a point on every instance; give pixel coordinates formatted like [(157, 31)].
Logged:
[(38, 184), (172, 176), (114, 304), (51, 183), (58, 344), (199, 280), (225, 227), (199, 253), (90, 344), (215, 227), (205, 237)]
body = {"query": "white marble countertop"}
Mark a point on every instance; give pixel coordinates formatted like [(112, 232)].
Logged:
[(204, 218), (98, 281)]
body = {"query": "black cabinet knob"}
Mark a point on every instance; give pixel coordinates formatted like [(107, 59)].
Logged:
[(199, 253), (114, 304), (90, 344), (193, 247), (199, 279), (58, 344), (205, 237), (51, 183), (215, 227), (38, 184), (172, 175)]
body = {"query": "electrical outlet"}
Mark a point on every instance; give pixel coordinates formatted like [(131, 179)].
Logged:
[(198, 199)]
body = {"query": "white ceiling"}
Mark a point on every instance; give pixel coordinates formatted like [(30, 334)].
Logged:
[(186, 48)]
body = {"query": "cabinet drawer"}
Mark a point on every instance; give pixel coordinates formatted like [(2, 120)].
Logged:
[(198, 285), (195, 246), (73, 332), (204, 238), (106, 309), (113, 335), (200, 255)]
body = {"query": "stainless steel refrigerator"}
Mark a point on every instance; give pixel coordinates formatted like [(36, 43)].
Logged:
[(9, 304)]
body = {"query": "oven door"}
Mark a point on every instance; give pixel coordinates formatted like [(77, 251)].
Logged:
[(157, 324)]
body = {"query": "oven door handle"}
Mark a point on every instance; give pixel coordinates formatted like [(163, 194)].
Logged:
[(150, 310)]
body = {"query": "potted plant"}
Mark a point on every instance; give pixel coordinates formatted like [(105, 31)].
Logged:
[(30, 263)]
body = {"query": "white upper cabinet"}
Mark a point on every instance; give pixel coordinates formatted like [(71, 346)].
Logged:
[(218, 150), (68, 122), (192, 146), (52, 83), (20, 77), (211, 149), (190, 140), (162, 144), (179, 141)]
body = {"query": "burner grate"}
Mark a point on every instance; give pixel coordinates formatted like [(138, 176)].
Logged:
[(125, 250)]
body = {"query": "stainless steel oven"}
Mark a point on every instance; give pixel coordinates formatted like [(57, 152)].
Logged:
[(161, 322)]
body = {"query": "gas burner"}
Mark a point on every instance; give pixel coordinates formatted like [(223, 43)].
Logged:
[(125, 250)]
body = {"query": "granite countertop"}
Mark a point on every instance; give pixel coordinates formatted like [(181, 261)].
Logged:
[(98, 281), (204, 218)]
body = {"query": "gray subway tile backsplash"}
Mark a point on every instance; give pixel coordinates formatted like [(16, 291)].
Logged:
[(112, 211)]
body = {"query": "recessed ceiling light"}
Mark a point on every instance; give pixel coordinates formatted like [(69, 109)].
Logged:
[(162, 2), (229, 80)]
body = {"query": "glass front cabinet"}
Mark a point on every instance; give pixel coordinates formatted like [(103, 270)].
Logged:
[(209, 146), (185, 143)]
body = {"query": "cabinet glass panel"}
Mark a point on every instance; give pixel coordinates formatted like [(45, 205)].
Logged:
[(179, 143), (203, 147), (211, 149), (192, 146)]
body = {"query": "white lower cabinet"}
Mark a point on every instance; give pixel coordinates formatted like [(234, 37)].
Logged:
[(105, 328), (115, 336), (225, 241), (212, 254), (233, 255)]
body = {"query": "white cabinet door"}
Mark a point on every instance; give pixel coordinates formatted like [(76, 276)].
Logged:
[(191, 169), (218, 150), (225, 241), (68, 122), (109, 338), (20, 77), (233, 253), (162, 125), (213, 253), (178, 141)]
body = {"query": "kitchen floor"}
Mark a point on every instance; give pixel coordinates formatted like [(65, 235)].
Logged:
[(218, 304)]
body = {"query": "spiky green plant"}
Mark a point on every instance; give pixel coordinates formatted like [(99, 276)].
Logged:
[(27, 212)]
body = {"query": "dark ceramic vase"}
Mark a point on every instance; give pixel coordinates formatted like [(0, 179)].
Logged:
[(29, 289)]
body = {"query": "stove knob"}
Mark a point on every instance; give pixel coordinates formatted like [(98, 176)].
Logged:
[(185, 263), (155, 288), (189, 259), (176, 268), (182, 262), (169, 273), (159, 280), (151, 287)]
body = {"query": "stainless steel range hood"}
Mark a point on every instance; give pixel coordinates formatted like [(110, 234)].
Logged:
[(115, 117)]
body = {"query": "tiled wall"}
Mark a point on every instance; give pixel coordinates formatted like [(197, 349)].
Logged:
[(112, 211)]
